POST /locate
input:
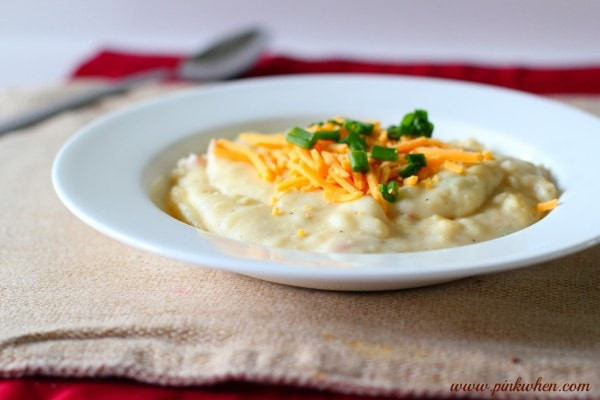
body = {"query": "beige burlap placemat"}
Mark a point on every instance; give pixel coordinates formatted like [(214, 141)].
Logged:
[(75, 303)]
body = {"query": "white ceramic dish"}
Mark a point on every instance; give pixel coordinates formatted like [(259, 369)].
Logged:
[(106, 173)]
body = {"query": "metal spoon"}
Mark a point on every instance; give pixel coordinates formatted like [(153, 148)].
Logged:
[(227, 58)]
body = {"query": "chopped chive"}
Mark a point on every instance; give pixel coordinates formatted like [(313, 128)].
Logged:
[(389, 191), (410, 170), (416, 124), (394, 132), (359, 160), (328, 135), (416, 158), (363, 128), (301, 137), (384, 153), (416, 161), (407, 122), (355, 141)]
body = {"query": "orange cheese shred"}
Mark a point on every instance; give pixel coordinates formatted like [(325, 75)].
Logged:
[(411, 144), (258, 139), (374, 190), (453, 167), (314, 178), (456, 155), (292, 183), (547, 205), (259, 164), (411, 180), (359, 181)]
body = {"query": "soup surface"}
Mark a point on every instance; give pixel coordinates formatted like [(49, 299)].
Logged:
[(353, 186)]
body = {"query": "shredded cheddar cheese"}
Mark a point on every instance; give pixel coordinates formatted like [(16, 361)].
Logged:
[(453, 166), (326, 166), (411, 180), (547, 205)]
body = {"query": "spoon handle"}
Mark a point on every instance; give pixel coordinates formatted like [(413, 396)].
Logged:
[(120, 86)]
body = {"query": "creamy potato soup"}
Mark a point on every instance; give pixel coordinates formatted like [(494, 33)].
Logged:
[(353, 186)]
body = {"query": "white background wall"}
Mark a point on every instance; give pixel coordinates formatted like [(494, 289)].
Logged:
[(42, 40)]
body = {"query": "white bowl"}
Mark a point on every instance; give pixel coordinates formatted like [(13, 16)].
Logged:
[(106, 173)]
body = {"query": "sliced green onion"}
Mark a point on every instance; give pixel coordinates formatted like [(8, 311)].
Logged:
[(301, 137), (359, 160), (394, 132), (355, 141), (328, 135), (417, 159), (410, 170), (384, 153), (389, 191), (363, 128), (407, 122), (416, 124)]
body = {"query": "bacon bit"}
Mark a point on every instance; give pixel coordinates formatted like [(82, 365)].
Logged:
[(547, 205)]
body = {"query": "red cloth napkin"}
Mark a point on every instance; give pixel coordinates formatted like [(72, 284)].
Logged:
[(87, 389), (572, 80)]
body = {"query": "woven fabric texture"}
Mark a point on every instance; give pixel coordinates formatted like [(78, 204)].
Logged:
[(75, 303)]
